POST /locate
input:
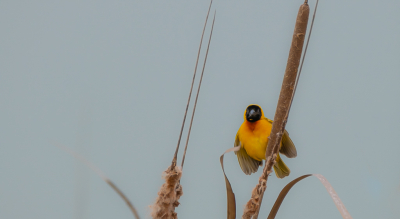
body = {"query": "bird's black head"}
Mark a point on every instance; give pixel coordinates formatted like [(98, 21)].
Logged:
[(253, 113)]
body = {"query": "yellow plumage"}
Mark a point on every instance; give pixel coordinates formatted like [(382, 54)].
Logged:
[(252, 137)]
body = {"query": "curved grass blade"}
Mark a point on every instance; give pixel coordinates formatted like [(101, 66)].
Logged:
[(231, 201), (102, 176), (282, 196), (339, 204)]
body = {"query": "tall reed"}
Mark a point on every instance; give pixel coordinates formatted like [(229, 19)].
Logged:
[(171, 190), (282, 111)]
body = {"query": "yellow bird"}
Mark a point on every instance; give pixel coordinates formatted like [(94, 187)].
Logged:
[(252, 137)]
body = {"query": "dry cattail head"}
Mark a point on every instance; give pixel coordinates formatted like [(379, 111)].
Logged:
[(168, 196)]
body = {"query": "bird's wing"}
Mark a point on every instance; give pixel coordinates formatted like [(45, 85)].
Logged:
[(288, 149), (270, 121), (248, 164)]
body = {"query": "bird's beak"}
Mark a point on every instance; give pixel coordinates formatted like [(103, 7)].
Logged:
[(253, 115)]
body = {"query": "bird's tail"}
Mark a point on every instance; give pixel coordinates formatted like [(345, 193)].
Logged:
[(281, 170)]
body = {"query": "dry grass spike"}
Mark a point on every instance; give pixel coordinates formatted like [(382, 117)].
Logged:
[(168, 196)]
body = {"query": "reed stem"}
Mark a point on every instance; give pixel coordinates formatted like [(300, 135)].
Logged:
[(282, 111)]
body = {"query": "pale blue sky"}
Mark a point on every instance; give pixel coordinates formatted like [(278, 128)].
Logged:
[(110, 79)]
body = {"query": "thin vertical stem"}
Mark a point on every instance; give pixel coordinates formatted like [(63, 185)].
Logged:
[(198, 91), (190, 93), (304, 54)]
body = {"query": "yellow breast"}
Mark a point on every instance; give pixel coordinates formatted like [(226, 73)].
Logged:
[(254, 137)]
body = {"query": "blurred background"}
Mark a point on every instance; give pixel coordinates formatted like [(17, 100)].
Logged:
[(110, 79)]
